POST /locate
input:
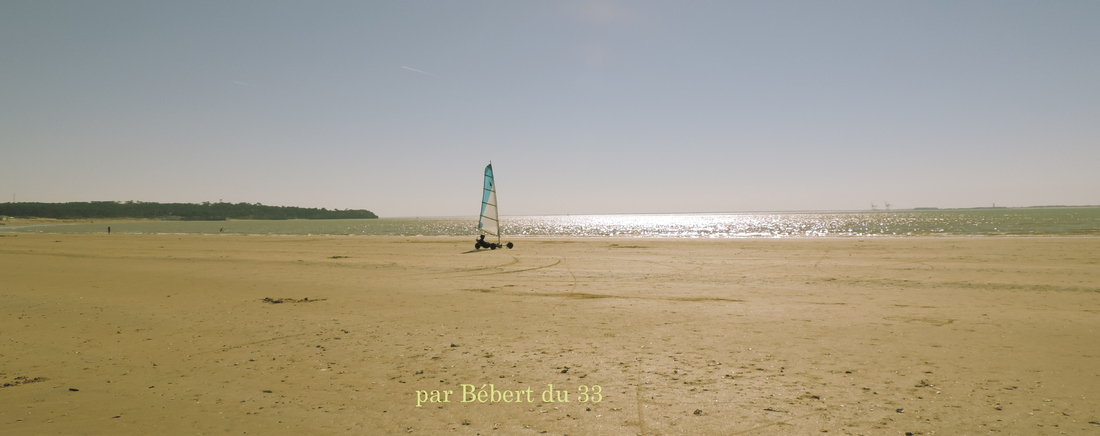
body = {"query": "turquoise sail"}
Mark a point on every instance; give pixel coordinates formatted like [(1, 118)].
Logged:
[(489, 224)]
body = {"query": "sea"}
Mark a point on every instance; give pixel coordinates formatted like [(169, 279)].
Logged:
[(1038, 221)]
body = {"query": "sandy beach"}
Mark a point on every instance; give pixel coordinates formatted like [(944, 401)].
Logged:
[(140, 334)]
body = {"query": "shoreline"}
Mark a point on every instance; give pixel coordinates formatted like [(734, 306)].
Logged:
[(1061, 224), (598, 238), (24, 222)]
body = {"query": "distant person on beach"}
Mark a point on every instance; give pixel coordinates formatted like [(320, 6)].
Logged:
[(108, 230)]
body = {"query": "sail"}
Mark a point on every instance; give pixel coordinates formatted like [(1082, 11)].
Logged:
[(488, 223)]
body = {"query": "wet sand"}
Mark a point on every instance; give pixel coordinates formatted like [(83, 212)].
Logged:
[(139, 334)]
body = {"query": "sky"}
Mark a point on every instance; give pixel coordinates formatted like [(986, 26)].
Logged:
[(583, 107)]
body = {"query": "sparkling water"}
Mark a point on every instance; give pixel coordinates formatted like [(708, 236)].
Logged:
[(1083, 221)]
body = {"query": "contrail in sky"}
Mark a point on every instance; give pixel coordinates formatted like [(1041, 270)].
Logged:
[(422, 72)]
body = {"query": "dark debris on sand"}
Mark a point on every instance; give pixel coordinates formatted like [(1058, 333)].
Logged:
[(21, 380), (270, 300)]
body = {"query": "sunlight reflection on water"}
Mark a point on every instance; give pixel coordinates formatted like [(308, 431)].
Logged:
[(705, 226), (908, 223)]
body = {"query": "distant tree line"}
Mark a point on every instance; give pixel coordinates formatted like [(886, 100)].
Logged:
[(180, 211)]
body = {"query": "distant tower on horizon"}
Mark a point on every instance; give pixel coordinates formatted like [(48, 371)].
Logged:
[(887, 204)]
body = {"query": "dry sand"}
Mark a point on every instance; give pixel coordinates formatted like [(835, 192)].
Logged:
[(132, 334)]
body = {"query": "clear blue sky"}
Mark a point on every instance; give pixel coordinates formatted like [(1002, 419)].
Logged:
[(583, 107)]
